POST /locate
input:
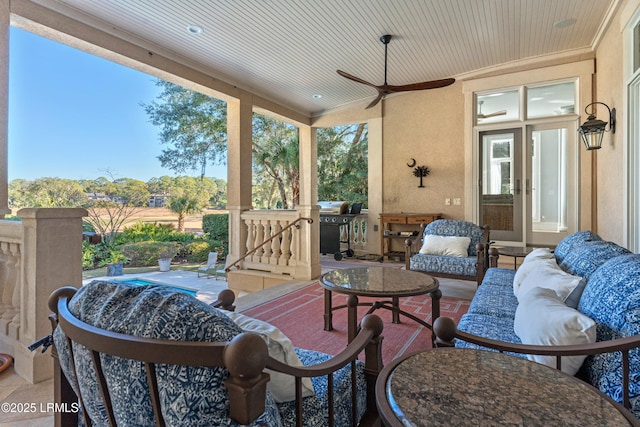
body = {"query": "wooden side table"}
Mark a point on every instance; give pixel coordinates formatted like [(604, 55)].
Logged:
[(411, 221)]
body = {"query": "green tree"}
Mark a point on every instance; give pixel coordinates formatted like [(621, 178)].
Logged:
[(183, 206), (113, 202), (193, 125), (161, 185), (342, 163), (46, 193), (276, 155)]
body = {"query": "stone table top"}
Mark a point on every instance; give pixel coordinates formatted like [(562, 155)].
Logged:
[(450, 386), (378, 281)]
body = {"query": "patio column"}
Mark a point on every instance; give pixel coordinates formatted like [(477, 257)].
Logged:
[(5, 23), (309, 266), (239, 158), (51, 257)]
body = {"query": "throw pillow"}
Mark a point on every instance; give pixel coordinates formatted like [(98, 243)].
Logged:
[(281, 386), (547, 274), (543, 319), (445, 245), (528, 264)]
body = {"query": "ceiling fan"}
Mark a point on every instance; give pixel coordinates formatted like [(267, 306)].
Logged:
[(387, 89), (486, 116)]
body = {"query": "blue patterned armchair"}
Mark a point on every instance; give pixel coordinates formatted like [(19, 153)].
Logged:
[(451, 248), (149, 355)]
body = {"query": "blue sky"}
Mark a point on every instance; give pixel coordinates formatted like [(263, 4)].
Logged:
[(78, 116)]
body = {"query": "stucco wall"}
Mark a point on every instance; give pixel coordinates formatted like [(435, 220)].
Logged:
[(426, 126), (610, 159)]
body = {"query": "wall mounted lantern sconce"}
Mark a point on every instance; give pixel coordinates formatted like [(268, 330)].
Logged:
[(592, 131)]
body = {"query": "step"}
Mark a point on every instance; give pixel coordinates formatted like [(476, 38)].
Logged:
[(254, 280)]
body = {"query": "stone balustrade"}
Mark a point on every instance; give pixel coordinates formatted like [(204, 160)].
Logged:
[(282, 255), (37, 255)]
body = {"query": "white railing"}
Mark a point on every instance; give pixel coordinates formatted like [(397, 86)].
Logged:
[(283, 254), (10, 279), (357, 232)]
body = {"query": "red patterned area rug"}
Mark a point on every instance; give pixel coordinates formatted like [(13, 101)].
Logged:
[(300, 316)]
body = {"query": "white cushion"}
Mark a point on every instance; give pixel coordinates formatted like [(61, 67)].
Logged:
[(528, 264), (281, 386), (542, 319), (545, 273), (445, 245)]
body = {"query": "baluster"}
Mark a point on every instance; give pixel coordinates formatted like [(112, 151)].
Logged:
[(363, 232), (6, 291), (355, 232), (7, 309), (285, 246), (251, 232), (14, 279), (293, 246), (259, 238), (268, 232), (275, 243)]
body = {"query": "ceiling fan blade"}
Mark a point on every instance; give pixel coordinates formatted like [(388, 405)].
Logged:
[(497, 113), (433, 84), (375, 101), (386, 89), (354, 78)]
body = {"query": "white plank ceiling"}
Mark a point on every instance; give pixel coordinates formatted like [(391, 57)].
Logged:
[(289, 50)]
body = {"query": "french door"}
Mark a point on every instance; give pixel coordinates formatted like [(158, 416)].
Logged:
[(528, 187), (501, 197)]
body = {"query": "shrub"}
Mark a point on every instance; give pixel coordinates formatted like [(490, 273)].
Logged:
[(216, 226), (198, 250), (88, 255), (144, 231), (148, 253)]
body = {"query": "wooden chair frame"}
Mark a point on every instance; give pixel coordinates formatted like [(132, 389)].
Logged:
[(246, 356), (482, 258)]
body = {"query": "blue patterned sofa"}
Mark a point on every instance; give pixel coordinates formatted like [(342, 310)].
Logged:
[(588, 329), (451, 248), (166, 358)]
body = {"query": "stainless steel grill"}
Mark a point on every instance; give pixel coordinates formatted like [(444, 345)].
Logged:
[(334, 215)]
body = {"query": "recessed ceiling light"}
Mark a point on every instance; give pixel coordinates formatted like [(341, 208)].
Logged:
[(316, 96), (195, 29), (564, 23)]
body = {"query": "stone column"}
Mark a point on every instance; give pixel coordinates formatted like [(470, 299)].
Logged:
[(309, 266), (51, 258), (4, 104), (239, 157)]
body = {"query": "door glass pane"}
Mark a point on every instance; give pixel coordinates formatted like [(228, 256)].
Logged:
[(551, 100), (548, 187), (497, 107), (498, 181)]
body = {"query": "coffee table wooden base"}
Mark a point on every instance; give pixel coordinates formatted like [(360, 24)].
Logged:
[(370, 282)]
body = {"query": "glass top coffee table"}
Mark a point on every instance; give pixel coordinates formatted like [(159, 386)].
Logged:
[(458, 387), (388, 284), (515, 252)]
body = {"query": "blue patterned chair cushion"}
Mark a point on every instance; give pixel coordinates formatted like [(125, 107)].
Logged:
[(190, 396), (315, 409), (454, 227), (584, 259), (612, 295), (495, 296), (466, 266), (497, 328), (612, 298), (566, 245)]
